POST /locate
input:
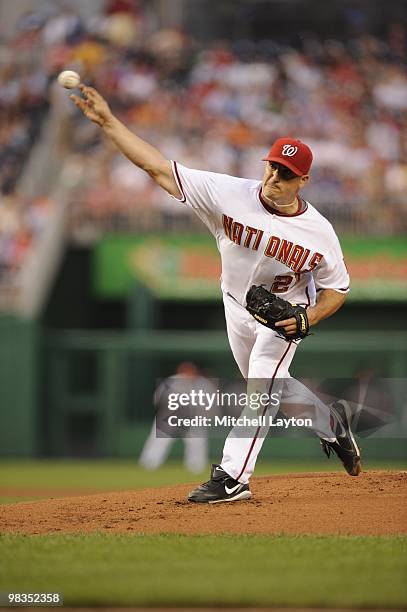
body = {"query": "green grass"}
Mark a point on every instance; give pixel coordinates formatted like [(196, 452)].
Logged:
[(20, 498), (209, 570), (82, 474)]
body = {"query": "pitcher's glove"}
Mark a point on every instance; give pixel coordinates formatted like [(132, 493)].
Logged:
[(267, 309)]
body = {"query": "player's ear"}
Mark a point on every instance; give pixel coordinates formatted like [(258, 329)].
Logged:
[(304, 180)]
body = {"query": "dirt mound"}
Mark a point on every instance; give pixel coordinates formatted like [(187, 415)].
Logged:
[(321, 503)]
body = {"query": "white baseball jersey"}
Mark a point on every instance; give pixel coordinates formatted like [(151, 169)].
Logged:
[(292, 255)]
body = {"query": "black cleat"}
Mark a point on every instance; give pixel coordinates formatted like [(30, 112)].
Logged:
[(345, 445), (220, 488)]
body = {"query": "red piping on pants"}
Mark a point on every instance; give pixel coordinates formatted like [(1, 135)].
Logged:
[(264, 412)]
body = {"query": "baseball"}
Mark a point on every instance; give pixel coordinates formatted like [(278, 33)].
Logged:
[(69, 79)]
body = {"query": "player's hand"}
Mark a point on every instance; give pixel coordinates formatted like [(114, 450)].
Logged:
[(289, 325), (93, 106)]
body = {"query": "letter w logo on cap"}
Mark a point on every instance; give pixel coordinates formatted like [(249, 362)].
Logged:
[(289, 150)]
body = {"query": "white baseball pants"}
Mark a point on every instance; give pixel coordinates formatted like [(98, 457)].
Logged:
[(264, 359)]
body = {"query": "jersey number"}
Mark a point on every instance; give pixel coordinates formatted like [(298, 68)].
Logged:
[(281, 283)]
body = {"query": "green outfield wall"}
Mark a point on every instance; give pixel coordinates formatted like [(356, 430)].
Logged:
[(99, 385), (20, 421), (89, 393)]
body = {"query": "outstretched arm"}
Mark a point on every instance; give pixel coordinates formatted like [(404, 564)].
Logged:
[(141, 153)]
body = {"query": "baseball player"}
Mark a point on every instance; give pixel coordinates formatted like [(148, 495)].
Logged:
[(267, 234), (187, 378)]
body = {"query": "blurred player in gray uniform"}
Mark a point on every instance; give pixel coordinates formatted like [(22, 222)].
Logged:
[(186, 379)]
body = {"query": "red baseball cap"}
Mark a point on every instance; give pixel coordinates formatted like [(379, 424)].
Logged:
[(292, 153)]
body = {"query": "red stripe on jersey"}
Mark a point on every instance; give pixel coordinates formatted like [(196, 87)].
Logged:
[(336, 289)]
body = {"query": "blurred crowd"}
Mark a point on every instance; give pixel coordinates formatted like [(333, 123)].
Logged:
[(220, 107), (22, 221), (23, 105), (24, 87), (216, 107)]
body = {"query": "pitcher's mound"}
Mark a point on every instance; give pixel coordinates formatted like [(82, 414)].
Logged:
[(322, 503)]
